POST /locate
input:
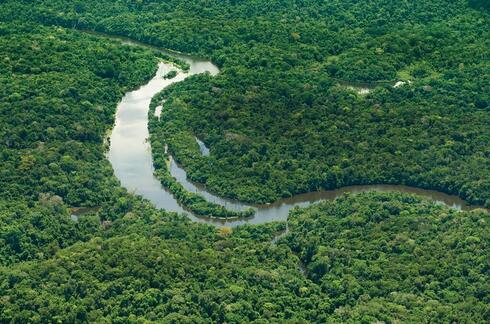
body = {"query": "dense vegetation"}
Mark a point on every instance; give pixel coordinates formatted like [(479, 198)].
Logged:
[(279, 119), (58, 94), (271, 138), (367, 258), (170, 75), (193, 202), (398, 256)]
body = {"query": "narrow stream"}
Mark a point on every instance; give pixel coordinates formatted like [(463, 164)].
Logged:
[(202, 147), (131, 158)]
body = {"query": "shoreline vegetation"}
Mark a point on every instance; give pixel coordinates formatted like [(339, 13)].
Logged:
[(191, 201), (195, 202), (427, 147), (277, 123)]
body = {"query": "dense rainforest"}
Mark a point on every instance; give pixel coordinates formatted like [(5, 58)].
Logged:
[(282, 117), (366, 258), (58, 95)]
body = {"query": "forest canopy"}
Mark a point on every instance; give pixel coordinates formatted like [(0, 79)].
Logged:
[(285, 115), (280, 119), (366, 258), (58, 95)]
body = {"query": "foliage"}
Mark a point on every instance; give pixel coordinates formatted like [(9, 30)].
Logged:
[(368, 258), (58, 95), (38, 231), (192, 201), (279, 118), (387, 256), (170, 75)]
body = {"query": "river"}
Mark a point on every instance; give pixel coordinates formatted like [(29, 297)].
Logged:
[(131, 158)]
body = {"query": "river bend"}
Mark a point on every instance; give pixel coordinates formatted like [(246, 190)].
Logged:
[(131, 158)]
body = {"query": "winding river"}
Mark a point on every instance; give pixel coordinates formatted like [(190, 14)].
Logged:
[(131, 158)]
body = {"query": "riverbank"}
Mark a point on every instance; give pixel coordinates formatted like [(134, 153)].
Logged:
[(132, 160)]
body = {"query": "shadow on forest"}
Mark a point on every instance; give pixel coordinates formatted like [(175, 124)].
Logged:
[(479, 4)]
